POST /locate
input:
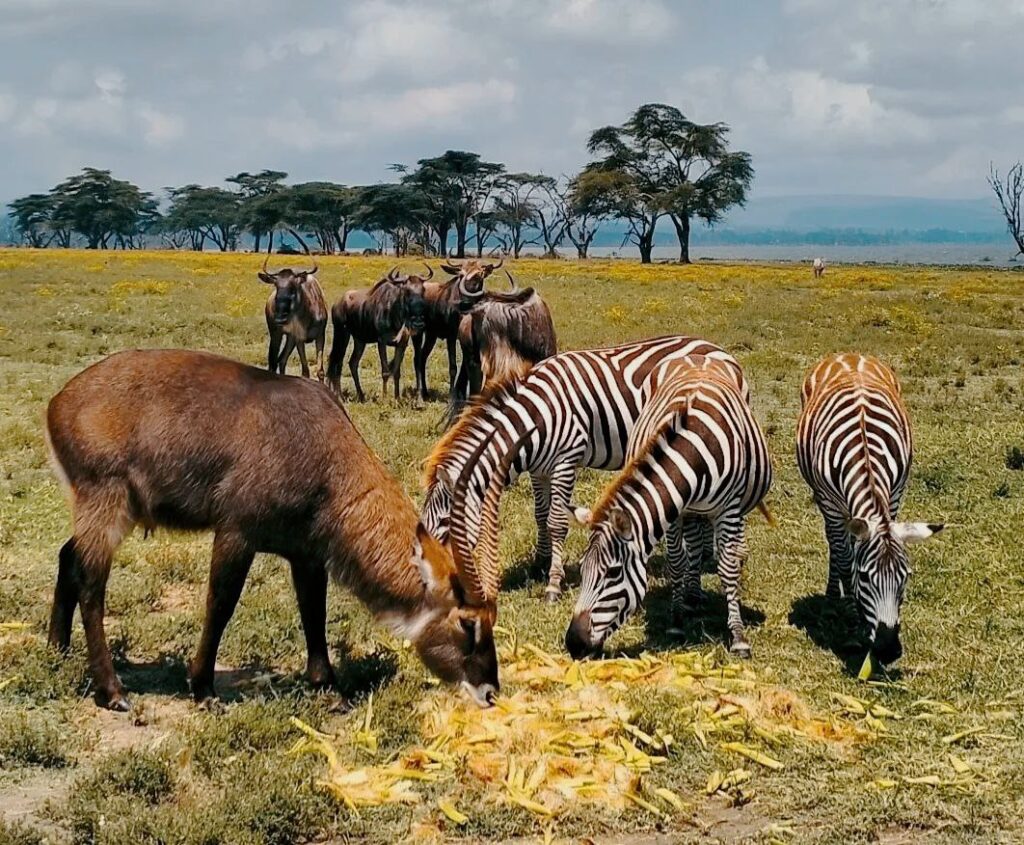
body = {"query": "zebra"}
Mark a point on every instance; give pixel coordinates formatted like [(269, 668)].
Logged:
[(854, 447), (583, 405), (697, 456)]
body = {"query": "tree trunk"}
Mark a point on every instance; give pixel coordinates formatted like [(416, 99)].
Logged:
[(270, 241), (257, 237), (682, 224), (298, 237), (460, 240), (343, 237), (646, 246)]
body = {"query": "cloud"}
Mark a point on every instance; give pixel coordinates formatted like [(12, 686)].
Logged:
[(611, 21), (159, 128)]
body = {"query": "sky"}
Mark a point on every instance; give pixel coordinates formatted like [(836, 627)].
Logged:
[(883, 97)]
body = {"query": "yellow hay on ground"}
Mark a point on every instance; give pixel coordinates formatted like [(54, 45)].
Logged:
[(565, 735)]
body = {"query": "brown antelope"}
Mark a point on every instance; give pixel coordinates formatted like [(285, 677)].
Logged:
[(189, 440), (388, 314), (297, 312), (502, 336), (443, 315)]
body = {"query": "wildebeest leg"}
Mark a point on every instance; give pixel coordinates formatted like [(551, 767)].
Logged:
[(282, 362), (229, 566), (452, 366), (562, 480), (353, 367), (301, 349), (274, 351), (385, 371), (320, 358), (426, 347), (101, 521), (310, 580), (65, 597), (396, 365), (541, 485), (337, 358)]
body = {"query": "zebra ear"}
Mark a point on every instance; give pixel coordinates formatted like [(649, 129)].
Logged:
[(861, 529), (915, 532), (582, 516), (621, 523), (446, 478)]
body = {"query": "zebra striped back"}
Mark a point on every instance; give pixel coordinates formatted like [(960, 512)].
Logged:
[(855, 449), (583, 405), (696, 453)]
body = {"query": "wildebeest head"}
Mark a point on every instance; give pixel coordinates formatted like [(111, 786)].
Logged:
[(413, 303), (471, 274), (288, 293)]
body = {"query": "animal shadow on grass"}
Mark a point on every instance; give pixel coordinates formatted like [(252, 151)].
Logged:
[(706, 625), (832, 624), (359, 676)]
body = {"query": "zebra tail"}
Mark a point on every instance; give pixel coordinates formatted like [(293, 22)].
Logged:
[(767, 514)]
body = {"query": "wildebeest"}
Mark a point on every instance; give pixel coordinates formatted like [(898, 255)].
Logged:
[(819, 267), (502, 335), (388, 314), (443, 314), (189, 440), (296, 312)]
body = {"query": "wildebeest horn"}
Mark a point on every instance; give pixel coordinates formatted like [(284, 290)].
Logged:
[(451, 269), (265, 270), (487, 564), (493, 267), (393, 276), (467, 294), (512, 286), (430, 272), (311, 272), (462, 551)]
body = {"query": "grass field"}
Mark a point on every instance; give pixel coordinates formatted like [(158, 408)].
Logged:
[(171, 772)]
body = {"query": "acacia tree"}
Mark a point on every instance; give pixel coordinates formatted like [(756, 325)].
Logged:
[(1010, 194), (252, 187), (324, 209), (203, 213), (683, 169), (32, 218), (453, 187), (623, 195), (389, 211), (101, 208), (584, 207)]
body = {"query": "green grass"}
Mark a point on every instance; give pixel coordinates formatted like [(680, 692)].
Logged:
[(173, 773)]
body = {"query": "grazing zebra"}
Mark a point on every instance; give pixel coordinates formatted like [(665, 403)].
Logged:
[(583, 405), (854, 448), (697, 456)]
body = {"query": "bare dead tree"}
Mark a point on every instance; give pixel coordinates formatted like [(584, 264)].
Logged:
[(1010, 193)]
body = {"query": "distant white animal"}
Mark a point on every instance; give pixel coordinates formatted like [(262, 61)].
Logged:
[(819, 267)]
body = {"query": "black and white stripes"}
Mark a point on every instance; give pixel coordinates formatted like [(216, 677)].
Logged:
[(583, 406), (697, 457), (854, 449)]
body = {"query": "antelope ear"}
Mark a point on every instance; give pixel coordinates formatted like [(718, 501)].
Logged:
[(433, 562), (265, 277), (621, 523), (915, 532), (582, 516)]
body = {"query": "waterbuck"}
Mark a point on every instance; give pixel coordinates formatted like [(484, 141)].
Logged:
[(297, 312), (443, 314), (190, 440), (502, 336), (388, 314)]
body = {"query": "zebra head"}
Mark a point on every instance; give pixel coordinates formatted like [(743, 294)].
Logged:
[(881, 570), (614, 580), (437, 507)]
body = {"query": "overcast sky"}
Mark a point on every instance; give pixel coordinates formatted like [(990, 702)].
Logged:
[(892, 97)]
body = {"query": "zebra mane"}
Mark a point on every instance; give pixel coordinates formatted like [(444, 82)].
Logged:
[(611, 492), (498, 390)]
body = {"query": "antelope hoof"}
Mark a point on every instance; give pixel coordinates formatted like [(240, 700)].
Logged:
[(740, 647), (118, 702), (321, 677), (552, 595)]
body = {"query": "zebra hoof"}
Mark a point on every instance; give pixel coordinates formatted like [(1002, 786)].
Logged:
[(741, 648), (552, 595)]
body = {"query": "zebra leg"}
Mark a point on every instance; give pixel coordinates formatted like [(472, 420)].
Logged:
[(730, 546), (684, 544), (561, 482), (840, 559), (541, 485)]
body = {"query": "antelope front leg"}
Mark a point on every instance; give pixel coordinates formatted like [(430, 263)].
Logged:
[(562, 481), (301, 349), (320, 358), (731, 550)]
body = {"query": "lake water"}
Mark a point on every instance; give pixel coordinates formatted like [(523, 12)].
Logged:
[(990, 255)]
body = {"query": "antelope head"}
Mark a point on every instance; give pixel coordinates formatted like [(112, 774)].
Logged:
[(471, 274)]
